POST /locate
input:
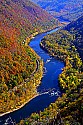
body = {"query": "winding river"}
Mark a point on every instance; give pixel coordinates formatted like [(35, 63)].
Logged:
[(48, 89)]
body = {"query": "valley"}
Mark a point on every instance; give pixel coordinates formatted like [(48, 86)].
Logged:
[(41, 62), (64, 10)]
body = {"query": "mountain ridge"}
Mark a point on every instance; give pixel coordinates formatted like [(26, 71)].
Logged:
[(66, 10), (25, 16)]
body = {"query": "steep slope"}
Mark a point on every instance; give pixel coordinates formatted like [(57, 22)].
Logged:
[(25, 16), (19, 72), (67, 10)]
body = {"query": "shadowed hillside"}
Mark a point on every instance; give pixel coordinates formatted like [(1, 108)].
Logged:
[(76, 28)]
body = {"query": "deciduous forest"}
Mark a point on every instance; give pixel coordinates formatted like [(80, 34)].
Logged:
[(21, 69), (67, 109)]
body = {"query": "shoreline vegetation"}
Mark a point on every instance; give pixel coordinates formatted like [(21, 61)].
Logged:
[(39, 66), (20, 106), (35, 78), (68, 108), (60, 45), (20, 19), (40, 70), (30, 37), (33, 96), (20, 22)]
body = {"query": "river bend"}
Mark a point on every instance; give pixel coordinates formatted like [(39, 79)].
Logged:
[(48, 90)]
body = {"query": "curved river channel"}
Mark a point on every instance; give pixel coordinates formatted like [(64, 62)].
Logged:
[(49, 84)]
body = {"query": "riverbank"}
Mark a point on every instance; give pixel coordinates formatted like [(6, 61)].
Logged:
[(31, 92), (41, 102), (29, 38), (20, 106), (40, 68)]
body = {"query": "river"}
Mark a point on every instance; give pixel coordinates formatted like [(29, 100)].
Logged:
[(49, 88)]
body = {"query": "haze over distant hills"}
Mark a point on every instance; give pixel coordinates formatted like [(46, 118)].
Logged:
[(67, 10)]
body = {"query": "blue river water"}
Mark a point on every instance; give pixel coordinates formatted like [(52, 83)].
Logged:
[(49, 84)]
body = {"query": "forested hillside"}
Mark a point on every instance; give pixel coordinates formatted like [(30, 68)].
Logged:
[(20, 66), (65, 10), (76, 28), (67, 109), (25, 17)]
